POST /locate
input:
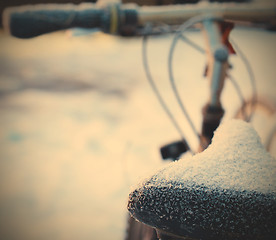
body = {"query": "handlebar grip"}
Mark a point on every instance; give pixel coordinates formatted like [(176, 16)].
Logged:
[(31, 21)]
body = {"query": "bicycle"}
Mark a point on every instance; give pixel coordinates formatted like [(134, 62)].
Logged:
[(129, 20)]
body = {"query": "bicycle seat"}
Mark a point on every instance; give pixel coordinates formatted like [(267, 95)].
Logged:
[(226, 192)]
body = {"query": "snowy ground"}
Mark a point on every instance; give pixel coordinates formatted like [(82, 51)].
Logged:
[(80, 125)]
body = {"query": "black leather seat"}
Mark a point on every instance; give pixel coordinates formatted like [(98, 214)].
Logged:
[(203, 208)]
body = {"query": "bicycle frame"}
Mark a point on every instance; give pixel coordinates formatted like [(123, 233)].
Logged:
[(216, 50)]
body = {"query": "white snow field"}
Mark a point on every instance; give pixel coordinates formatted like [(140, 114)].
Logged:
[(80, 125)]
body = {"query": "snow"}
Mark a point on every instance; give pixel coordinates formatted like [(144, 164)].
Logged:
[(80, 125), (236, 160)]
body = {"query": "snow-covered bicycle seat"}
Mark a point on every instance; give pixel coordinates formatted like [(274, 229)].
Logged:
[(226, 192)]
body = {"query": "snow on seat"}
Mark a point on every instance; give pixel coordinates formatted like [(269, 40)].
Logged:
[(226, 192)]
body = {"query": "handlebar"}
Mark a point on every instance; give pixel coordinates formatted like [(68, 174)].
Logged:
[(34, 20), (31, 21)]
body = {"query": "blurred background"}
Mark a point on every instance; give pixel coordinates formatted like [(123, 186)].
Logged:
[(80, 125)]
